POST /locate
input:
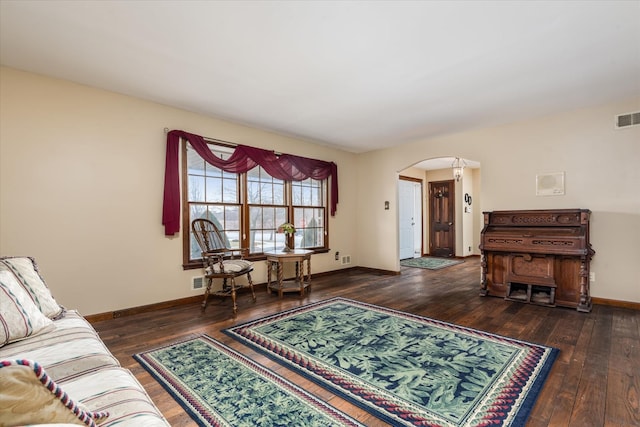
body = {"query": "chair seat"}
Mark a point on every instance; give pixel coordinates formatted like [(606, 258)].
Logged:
[(230, 266)]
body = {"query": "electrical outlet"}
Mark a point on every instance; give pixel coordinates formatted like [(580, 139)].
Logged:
[(592, 276)]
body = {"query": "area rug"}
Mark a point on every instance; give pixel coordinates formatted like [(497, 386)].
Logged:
[(218, 386), (431, 263), (406, 369)]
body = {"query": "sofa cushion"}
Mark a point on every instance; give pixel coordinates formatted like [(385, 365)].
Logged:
[(46, 403), (116, 391), (19, 316), (26, 273), (71, 348), (53, 425)]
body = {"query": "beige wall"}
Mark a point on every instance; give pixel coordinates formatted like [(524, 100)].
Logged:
[(81, 175), (81, 181), (602, 174)]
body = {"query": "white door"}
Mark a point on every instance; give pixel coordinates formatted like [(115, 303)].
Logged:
[(406, 222)]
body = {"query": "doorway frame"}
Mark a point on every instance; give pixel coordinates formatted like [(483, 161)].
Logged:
[(419, 221)]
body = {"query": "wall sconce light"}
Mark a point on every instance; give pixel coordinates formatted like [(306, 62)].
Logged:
[(458, 168)]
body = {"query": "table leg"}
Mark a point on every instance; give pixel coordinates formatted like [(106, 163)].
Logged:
[(280, 279), (309, 274), (300, 276)]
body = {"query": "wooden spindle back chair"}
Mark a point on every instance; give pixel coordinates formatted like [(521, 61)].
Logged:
[(221, 262)]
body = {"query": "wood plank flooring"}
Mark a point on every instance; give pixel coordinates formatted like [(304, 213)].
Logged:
[(594, 382)]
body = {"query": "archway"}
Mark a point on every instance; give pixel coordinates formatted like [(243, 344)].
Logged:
[(467, 220)]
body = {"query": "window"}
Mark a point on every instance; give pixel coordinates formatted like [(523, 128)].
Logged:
[(212, 194), (250, 206), (309, 212), (267, 210)]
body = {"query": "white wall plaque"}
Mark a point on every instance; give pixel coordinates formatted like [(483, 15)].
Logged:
[(550, 184)]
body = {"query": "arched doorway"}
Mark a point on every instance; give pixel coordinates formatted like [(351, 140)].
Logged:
[(463, 215)]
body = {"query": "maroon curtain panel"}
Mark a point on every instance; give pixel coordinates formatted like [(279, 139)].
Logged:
[(284, 166)]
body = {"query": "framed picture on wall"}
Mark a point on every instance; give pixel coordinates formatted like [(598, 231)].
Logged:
[(550, 184)]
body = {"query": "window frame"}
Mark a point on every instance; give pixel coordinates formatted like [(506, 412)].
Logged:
[(244, 207)]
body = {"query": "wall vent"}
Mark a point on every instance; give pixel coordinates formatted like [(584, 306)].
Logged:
[(197, 283), (627, 120), (346, 259)]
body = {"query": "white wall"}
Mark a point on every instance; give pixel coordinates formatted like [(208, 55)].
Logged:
[(81, 173), (81, 184), (476, 210), (466, 214), (602, 174)]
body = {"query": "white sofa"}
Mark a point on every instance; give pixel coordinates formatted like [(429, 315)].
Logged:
[(54, 368)]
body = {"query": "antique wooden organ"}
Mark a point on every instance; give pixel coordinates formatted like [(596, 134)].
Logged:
[(537, 256)]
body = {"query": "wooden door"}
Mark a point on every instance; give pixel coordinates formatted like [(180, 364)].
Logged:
[(442, 236)]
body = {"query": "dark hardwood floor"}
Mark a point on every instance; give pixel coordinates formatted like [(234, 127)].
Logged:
[(595, 380)]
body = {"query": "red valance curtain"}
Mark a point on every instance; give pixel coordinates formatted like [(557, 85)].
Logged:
[(284, 166)]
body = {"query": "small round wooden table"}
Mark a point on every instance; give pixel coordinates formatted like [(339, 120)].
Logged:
[(300, 282)]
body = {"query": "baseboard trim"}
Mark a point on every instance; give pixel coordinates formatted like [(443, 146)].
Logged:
[(616, 303), (93, 318)]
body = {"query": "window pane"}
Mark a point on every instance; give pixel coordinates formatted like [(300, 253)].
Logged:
[(262, 189), (309, 192), (309, 227), (195, 211), (196, 188), (253, 174), (278, 193), (215, 213), (210, 212), (214, 190), (296, 193), (268, 217), (195, 163), (232, 218), (306, 196), (211, 170), (230, 191), (263, 223), (266, 193), (253, 192), (256, 237), (205, 181)]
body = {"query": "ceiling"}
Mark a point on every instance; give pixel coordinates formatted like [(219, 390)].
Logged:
[(354, 75)]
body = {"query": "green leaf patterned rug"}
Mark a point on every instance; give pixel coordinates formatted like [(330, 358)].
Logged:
[(406, 369), (218, 386), (431, 263)]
